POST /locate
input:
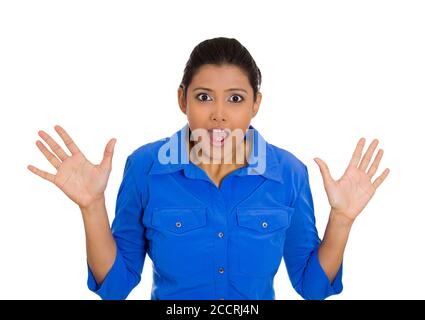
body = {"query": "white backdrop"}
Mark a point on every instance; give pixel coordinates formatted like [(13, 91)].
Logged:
[(333, 71)]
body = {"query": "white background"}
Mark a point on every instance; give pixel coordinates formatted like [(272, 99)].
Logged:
[(333, 71)]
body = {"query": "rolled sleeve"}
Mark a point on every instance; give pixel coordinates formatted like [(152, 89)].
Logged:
[(128, 232), (301, 250), (319, 286), (113, 285)]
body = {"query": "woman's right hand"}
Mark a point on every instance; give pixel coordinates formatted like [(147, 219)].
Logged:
[(83, 182)]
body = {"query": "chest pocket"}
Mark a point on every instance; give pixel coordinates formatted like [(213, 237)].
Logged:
[(260, 236), (179, 220), (180, 246), (263, 220)]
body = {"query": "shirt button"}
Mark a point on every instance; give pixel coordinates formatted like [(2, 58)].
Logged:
[(178, 224), (221, 234), (221, 270), (264, 224)]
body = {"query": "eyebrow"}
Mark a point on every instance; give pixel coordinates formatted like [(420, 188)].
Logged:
[(211, 90)]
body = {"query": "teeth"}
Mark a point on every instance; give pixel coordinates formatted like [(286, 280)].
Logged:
[(219, 134)]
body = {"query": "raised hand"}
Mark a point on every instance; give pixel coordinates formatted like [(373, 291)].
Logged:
[(349, 195), (82, 181)]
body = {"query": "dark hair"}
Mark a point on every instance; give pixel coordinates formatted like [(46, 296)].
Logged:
[(221, 51)]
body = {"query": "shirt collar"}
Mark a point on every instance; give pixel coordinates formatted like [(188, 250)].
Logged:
[(263, 163)]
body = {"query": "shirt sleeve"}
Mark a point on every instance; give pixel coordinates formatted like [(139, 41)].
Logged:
[(128, 232), (301, 250)]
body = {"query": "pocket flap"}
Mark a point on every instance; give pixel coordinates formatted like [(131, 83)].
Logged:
[(264, 219), (179, 220)]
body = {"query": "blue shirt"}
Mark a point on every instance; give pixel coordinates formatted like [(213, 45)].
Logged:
[(207, 242)]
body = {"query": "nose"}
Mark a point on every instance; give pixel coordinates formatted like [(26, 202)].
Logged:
[(218, 114)]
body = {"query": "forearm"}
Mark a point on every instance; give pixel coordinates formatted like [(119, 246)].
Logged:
[(332, 248), (100, 244)]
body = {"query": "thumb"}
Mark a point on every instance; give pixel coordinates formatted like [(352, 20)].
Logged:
[(324, 170), (107, 155)]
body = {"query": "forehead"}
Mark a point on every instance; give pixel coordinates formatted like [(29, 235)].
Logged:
[(220, 76)]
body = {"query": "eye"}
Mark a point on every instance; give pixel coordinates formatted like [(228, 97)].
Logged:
[(236, 98), (203, 97)]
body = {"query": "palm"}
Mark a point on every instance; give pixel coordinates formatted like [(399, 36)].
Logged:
[(351, 193), (82, 181)]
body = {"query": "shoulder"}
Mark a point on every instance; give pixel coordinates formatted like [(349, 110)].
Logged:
[(287, 160), (290, 166), (144, 156), (138, 165)]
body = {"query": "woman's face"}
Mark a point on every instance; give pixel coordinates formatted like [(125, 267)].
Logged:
[(219, 97)]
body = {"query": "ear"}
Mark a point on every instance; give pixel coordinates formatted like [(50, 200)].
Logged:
[(257, 103), (181, 99)]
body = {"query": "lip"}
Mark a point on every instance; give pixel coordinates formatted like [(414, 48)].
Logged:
[(226, 130)]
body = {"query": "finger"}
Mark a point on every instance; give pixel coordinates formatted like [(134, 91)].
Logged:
[(368, 155), (53, 145), (45, 175), (67, 140), (381, 178), (324, 170), (50, 156), (357, 153), (375, 163), (108, 154)]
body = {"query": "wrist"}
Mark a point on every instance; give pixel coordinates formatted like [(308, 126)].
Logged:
[(96, 205), (340, 219)]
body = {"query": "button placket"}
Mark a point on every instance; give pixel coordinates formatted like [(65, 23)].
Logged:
[(220, 206)]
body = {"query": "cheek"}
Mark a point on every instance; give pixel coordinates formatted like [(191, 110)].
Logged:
[(241, 115), (197, 113)]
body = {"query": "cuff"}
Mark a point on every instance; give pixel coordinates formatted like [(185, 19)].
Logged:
[(112, 287), (319, 286)]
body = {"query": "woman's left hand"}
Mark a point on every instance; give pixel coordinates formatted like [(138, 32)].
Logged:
[(350, 194)]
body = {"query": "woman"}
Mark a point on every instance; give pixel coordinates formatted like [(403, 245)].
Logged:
[(216, 217)]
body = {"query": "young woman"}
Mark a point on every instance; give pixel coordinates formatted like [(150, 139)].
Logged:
[(214, 205)]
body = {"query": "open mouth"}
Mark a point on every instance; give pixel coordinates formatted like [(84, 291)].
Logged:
[(218, 136)]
